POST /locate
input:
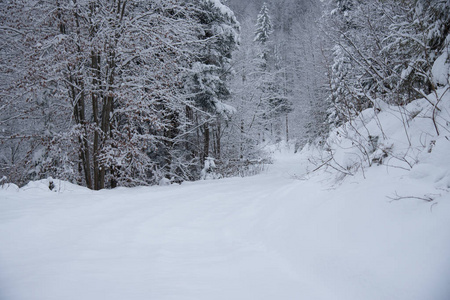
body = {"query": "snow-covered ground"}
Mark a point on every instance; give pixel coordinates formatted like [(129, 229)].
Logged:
[(284, 234), (264, 237)]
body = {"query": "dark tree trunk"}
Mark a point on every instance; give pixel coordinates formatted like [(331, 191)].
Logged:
[(95, 61), (78, 98), (241, 156), (107, 111), (80, 118), (206, 140), (287, 128), (218, 138)]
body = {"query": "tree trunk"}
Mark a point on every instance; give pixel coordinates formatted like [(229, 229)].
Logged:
[(206, 140), (85, 152), (190, 120), (218, 137), (95, 64), (241, 155), (79, 113), (287, 128), (198, 136), (108, 102), (80, 118)]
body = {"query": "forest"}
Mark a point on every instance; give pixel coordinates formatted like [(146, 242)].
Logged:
[(127, 93), (224, 149)]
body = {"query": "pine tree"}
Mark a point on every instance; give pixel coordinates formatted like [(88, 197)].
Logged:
[(208, 80), (264, 27)]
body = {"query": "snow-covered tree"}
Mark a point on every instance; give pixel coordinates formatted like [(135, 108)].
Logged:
[(264, 27), (112, 71), (208, 80)]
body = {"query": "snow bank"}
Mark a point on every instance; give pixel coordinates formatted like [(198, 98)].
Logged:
[(414, 138), (52, 185)]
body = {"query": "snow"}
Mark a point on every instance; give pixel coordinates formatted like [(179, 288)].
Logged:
[(404, 134), (224, 10), (224, 109), (441, 69), (289, 233), (406, 72), (164, 181)]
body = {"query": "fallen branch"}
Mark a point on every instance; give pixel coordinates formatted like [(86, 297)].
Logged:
[(426, 197)]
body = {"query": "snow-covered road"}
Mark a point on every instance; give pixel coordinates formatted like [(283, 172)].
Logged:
[(264, 237)]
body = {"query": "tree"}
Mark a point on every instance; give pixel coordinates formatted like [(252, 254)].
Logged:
[(114, 70), (207, 82), (264, 26)]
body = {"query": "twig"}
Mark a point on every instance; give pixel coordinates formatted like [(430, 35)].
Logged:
[(320, 166), (426, 197)]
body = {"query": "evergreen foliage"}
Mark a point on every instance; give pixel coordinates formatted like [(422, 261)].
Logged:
[(264, 26), (212, 67)]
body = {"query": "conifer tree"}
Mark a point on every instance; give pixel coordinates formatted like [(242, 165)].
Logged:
[(264, 25), (208, 79)]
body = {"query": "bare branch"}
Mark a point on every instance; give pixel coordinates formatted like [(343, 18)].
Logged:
[(426, 197)]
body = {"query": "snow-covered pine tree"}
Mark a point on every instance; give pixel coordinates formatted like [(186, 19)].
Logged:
[(264, 29), (359, 73), (208, 80)]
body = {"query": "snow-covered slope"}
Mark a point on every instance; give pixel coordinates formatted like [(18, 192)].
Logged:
[(287, 234)]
